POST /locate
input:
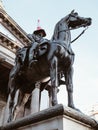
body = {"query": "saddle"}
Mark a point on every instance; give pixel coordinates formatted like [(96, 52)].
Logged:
[(21, 54)]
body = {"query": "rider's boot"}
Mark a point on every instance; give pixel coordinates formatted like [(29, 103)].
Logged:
[(32, 57), (33, 61)]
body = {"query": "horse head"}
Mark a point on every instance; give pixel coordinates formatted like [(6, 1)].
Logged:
[(75, 21)]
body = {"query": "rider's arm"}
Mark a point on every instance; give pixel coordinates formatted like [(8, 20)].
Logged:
[(44, 41), (30, 36)]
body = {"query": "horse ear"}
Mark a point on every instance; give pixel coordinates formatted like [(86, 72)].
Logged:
[(72, 11)]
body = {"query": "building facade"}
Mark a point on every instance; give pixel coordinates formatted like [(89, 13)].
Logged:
[(12, 37)]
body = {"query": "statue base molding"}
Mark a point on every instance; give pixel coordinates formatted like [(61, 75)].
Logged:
[(58, 117)]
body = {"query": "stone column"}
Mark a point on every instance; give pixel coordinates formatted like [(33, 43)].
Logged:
[(50, 98), (35, 99), (50, 94)]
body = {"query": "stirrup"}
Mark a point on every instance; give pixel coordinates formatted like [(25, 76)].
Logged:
[(32, 62)]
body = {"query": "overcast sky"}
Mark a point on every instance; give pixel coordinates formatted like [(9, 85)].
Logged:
[(85, 79)]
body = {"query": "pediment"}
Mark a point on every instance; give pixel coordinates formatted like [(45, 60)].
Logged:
[(12, 37), (7, 33), (12, 28)]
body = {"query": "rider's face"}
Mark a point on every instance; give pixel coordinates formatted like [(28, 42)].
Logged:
[(40, 34)]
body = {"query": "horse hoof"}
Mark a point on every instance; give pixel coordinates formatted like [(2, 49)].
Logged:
[(76, 109), (9, 120)]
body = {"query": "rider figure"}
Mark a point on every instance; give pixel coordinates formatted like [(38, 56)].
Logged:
[(37, 38)]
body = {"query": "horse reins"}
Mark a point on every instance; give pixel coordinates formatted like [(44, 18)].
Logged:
[(79, 35)]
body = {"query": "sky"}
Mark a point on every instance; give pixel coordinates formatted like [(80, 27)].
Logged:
[(85, 78)]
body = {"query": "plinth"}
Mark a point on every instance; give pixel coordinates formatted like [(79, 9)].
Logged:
[(58, 117)]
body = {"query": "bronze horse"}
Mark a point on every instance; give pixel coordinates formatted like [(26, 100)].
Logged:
[(53, 59)]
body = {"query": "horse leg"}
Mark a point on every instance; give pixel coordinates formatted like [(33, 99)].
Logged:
[(54, 79), (69, 85), (19, 108), (13, 90), (19, 100)]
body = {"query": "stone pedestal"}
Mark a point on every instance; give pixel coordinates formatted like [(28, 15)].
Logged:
[(54, 118)]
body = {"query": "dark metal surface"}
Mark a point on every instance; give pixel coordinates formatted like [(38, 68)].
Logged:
[(57, 58)]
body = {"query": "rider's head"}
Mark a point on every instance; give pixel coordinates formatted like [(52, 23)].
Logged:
[(41, 32)]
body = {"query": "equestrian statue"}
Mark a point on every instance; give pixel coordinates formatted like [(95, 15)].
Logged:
[(44, 58)]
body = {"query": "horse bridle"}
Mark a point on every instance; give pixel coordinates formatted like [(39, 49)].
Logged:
[(83, 25), (73, 29)]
